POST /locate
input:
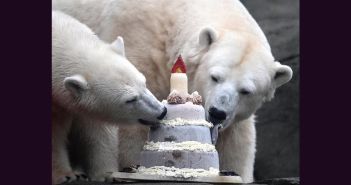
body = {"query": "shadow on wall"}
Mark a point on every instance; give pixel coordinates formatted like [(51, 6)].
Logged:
[(278, 121)]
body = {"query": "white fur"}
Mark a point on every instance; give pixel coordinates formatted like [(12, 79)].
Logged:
[(237, 147), (118, 46), (216, 38), (91, 81)]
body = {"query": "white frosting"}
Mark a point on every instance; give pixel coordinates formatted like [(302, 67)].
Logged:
[(178, 172), (186, 145), (182, 122), (195, 93)]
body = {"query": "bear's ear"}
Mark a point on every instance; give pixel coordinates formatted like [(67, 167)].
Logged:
[(118, 46), (282, 74), (207, 36), (76, 84)]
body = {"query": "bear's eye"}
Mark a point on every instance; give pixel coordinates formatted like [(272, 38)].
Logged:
[(214, 78), (134, 99), (244, 92)]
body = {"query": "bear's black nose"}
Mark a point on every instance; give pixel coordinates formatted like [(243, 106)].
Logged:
[(163, 113), (217, 114)]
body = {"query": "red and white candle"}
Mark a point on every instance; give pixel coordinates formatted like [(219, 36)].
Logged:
[(179, 80)]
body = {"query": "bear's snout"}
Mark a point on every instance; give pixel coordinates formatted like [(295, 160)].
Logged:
[(216, 115), (163, 114)]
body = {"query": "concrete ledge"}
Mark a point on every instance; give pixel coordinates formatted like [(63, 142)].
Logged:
[(274, 181)]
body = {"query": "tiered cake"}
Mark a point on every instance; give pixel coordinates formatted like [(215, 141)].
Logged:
[(181, 145)]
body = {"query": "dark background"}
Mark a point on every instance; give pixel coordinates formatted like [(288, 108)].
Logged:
[(278, 121)]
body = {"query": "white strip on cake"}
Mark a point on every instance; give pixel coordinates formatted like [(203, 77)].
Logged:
[(182, 122), (186, 145), (178, 172)]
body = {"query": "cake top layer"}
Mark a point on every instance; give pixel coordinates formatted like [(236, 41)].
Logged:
[(187, 111)]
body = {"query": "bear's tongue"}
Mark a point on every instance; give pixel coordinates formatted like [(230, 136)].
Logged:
[(214, 133)]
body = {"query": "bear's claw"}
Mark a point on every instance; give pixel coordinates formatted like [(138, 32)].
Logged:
[(80, 176), (105, 177), (62, 177)]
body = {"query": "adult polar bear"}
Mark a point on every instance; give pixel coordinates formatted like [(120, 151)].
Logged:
[(228, 57), (92, 80)]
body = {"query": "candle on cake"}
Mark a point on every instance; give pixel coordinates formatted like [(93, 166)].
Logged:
[(179, 80), (179, 85)]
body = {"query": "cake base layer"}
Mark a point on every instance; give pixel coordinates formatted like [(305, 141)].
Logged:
[(178, 172), (180, 133), (180, 159)]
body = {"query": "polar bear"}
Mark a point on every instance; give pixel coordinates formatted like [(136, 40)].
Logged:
[(92, 80), (228, 57)]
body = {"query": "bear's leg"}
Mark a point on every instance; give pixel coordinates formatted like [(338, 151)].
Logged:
[(61, 168), (98, 148), (132, 138), (236, 147)]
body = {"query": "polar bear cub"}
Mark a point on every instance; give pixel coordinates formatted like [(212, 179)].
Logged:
[(92, 80)]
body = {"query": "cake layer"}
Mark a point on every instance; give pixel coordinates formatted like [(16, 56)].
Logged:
[(182, 122), (185, 111), (180, 159), (164, 133), (178, 172), (193, 146)]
